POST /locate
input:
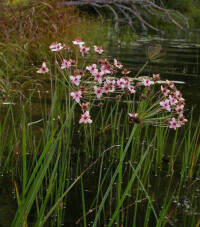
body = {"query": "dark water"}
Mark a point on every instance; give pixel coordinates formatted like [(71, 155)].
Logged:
[(181, 62)]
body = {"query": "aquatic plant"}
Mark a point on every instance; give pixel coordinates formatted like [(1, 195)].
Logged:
[(103, 80)]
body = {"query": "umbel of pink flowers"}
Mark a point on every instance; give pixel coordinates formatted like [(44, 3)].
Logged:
[(100, 74)]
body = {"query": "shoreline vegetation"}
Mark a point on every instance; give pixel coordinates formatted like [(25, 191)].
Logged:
[(124, 162)]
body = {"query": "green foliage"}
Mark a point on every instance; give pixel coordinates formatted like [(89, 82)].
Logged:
[(190, 8)]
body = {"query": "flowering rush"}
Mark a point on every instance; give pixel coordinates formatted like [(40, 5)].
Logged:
[(98, 91), (103, 79), (147, 82), (174, 124), (85, 118), (84, 50), (76, 95), (75, 79), (78, 41), (174, 103), (44, 69), (56, 47), (166, 104), (98, 49), (65, 64)]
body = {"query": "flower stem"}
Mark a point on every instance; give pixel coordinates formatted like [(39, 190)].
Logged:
[(142, 69)]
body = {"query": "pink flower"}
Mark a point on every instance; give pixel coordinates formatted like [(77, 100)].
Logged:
[(104, 69), (56, 47), (179, 109), (121, 83), (75, 79), (98, 76), (106, 88), (78, 41), (125, 71), (165, 91), (134, 118), (147, 82), (135, 115), (98, 49), (85, 118), (174, 124), (65, 64), (182, 120), (73, 62), (76, 95), (178, 94), (118, 64), (98, 91), (126, 82), (166, 105), (84, 50), (44, 69), (131, 89), (92, 69), (172, 100), (170, 84), (110, 82)]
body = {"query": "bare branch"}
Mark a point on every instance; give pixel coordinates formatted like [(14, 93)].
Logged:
[(129, 10), (127, 17), (116, 16)]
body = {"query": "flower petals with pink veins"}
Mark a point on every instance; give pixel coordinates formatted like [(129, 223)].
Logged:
[(75, 79), (179, 109), (104, 69), (135, 115), (44, 69), (98, 76), (106, 88), (98, 91), (76, 95), (174, 124), (121, 83), (131, 89), (85, 118), (178, 94), (56, 47), (118, 64), (126, 82), (172, 100), (182, 120), (166, 105), (78, 41), (147, 82), (125, 71), (84, 50), (98, 49), (92, 69), (65, 64), (110, 82), (165, 91)]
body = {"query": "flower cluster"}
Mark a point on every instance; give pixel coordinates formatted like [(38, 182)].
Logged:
[(101, 79), (173, 102)]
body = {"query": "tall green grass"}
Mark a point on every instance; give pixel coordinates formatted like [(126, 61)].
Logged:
[(129, 171)]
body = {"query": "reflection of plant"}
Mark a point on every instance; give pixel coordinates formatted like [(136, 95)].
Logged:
[(100, 81)]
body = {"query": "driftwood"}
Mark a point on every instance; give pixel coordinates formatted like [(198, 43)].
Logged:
[(131, 10)]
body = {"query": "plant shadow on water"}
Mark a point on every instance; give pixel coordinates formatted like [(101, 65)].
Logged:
[(157, 182)]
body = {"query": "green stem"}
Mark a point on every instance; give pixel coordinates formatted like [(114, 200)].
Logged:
[(142, 68)]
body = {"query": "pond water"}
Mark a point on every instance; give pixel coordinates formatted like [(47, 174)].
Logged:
[(181, 62)]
